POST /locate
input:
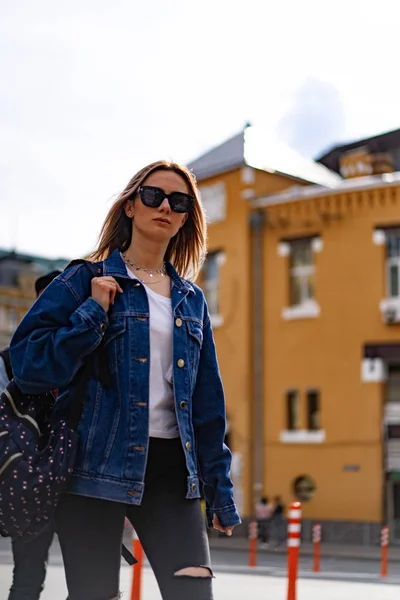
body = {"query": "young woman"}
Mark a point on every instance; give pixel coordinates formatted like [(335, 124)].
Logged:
[(155, 435)]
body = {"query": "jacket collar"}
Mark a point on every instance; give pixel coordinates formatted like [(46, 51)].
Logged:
[(115, 267)]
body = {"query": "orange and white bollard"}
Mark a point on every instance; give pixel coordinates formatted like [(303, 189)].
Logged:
[(293, 542), (137, 551), (385, 551), (253, 534), (316, 538)]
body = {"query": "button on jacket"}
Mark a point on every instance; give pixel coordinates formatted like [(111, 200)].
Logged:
[(65, 325)]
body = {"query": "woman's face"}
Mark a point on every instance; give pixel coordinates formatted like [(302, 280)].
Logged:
[(161, 223)]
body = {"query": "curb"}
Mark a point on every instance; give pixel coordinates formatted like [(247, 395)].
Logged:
[(330, 553)]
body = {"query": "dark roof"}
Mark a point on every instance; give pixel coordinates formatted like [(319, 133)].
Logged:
[(225, 157), (43, 264), (377, 143), (256, 148)]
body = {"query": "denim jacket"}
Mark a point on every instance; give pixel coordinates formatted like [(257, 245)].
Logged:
[(65, 325)]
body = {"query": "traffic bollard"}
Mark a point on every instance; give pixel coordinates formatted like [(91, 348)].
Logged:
[(137, 550), (316, 548), (384, 551), (253, 534), (293, 542)]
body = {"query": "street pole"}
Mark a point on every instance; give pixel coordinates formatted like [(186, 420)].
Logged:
[(257, 223)]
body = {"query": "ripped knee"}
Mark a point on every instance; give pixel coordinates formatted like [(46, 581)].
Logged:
[(202, 572)]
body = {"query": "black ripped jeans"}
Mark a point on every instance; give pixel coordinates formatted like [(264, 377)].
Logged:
[(172, 531), (30, 562)]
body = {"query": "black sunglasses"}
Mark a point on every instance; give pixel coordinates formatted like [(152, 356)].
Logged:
[(153, 197)]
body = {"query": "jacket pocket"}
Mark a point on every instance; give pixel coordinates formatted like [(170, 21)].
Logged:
[(114, 341), (195, 331)]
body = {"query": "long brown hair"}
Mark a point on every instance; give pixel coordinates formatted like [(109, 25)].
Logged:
[(186, 250)]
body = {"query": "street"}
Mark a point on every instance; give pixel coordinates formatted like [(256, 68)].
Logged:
[(229, 586), (268, 563), (339, 578)]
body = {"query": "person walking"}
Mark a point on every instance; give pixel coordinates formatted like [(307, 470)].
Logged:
[(153, 438), (278, 521), (263, 515), (30, 557)]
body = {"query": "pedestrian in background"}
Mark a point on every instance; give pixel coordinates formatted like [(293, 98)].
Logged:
[(152, 437), (30, 557), (278, 521), (264, 511)]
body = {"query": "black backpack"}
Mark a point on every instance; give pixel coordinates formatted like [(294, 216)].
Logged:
[(38, 449)]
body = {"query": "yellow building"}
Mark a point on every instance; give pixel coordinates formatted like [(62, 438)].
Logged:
[(304, 285), (229, 177)]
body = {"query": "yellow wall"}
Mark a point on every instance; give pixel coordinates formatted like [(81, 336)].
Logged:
[(325, 352), (233, 338)]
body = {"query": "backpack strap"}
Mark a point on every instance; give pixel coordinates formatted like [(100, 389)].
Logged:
[(96, 270), (5, 355), (128, 556), (104, 375)]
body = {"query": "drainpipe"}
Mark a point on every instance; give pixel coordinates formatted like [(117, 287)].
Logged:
[(257, 224)]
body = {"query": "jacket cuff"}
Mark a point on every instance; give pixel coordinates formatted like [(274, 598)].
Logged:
[(228, 515), (94, 314)]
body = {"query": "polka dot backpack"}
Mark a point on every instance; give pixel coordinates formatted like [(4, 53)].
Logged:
[(37, 450)]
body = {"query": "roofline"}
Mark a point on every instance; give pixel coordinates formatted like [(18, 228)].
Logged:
[(238, 165), (218, 170), (295, 194), (355, 144), (284, 174)]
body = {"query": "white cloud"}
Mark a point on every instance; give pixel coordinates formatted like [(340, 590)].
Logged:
[(92, 90)]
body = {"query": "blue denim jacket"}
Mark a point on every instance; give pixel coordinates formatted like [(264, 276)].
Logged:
[(66, 324)]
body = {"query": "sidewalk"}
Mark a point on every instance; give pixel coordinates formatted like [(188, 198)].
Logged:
[(306, 549), (234, 587)]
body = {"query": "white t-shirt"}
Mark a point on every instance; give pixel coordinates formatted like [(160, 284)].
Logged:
[(162, 418)]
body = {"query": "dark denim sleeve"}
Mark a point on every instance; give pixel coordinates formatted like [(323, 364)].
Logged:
[(209, 422), (60, 329)]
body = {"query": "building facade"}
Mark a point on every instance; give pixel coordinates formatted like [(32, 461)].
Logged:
[(18, 273), (304, 282), (229, 177), (332, 350)]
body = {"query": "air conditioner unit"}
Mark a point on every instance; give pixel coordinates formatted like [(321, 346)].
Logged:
[(391, 314)]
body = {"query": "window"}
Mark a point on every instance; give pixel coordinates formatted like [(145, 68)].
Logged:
[(3, 319), (213, 198), (301, 272), (393, 262), (211, 281), (293, 410), (304, 488), (12, 320), (393, 384), (313, 411)]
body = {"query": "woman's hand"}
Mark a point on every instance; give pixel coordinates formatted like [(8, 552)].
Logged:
[(104, 290), (219, 527)]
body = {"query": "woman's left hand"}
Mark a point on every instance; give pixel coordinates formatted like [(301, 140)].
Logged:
[(219, 527)]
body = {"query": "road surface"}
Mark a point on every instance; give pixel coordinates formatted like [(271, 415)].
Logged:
[(229, 587)]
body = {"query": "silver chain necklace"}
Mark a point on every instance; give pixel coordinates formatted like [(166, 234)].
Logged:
[(150, 272)]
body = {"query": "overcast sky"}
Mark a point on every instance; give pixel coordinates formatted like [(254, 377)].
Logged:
[(92, 90)]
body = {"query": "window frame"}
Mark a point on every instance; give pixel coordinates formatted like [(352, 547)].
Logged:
[(391, 261), (12, 319), (292, 409), (301, 272), (313, 393), (209, 287)]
